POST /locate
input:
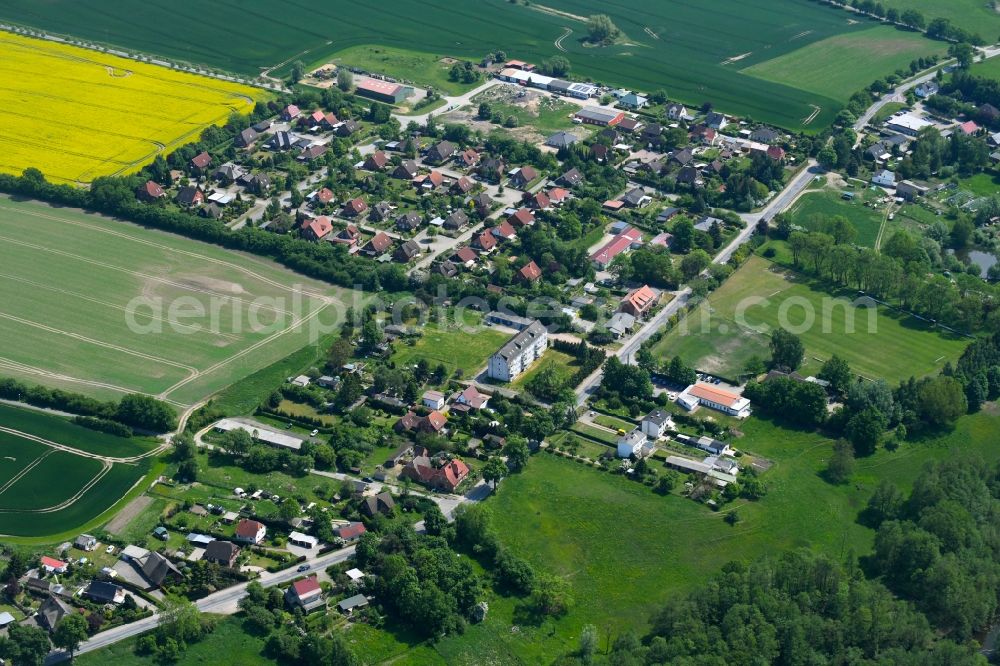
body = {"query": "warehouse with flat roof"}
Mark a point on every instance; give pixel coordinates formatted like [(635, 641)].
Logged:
[(383, 91)]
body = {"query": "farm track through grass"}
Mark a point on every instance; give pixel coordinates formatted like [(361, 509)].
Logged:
[(899, 346), (69, 296)]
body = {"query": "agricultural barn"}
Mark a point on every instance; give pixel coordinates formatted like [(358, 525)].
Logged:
[(572, 89), (598, 116), (383, 91)]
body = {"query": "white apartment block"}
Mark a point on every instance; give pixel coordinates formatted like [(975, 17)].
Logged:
[(519, 353)]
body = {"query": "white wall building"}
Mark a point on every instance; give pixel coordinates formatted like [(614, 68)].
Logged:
[(656, 423), (519, 353), (631, 444)]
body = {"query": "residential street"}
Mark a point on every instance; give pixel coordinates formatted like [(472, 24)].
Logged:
[(777, 204), (223, 602)]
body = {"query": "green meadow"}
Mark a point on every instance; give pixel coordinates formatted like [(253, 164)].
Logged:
[(726, 330)]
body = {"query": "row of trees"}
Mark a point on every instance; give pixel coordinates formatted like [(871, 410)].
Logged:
[(134, 410), (902, 272)]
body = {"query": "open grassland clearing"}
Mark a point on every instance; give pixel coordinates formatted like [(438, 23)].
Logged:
[(77, 114), (55, 475), (692, 50), (105, 308), (723, 332), (561, 363), (402, 64), (813, 208), (841, 65), (447, 343), (227, 638)]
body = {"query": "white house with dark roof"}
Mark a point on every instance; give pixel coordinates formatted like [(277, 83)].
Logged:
[(655, 423)]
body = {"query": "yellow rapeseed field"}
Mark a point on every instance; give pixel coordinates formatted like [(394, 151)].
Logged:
[(76, 114)]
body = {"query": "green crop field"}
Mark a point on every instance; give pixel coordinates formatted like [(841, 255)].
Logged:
[(717, 341), (45, 490), (813, 206), (101, 307), (841, 65), (693, 50)]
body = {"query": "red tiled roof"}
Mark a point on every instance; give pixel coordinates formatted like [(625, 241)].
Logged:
[(616, 246), (380, 241), (717, 395), (306, 586), (504, 229), (201, 160), (465, 254), (153, 189), (969, 127), (641, 299), (248, 528), (436, 420), (378, 159), (52, 563), (522, 217), (436, 178), (325, 195), (530, 271), (290, 111), (486, 241), (558, 195), (351, 530), (318, 226), (356, 205)]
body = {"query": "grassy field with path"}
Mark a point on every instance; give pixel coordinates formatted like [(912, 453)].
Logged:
[(813, 206), (714, 339)]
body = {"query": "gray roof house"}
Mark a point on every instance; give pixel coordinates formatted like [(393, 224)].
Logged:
[(561, 140)]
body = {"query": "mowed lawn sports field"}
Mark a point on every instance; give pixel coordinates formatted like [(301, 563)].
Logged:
[(76, 114), (696, 51), (715, 338), (106, 308), (46, 489)]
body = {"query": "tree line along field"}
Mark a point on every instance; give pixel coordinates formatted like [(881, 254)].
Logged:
[(46, 490), (76, 114), (69, 318), (976, 16), (714, 340), (694, 51)]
